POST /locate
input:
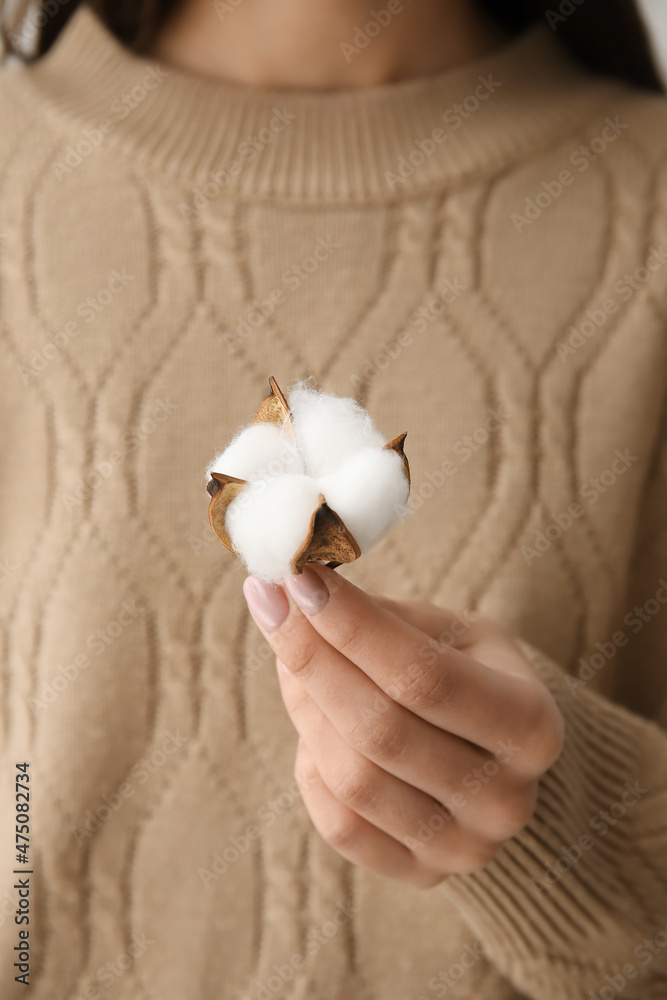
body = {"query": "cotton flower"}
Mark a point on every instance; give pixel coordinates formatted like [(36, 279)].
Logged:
[(310, 480)]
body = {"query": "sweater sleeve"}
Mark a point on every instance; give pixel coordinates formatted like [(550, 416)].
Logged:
[(575, 906)]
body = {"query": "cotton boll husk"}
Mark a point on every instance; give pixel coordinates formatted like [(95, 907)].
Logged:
[(329, 429), (268, 522), (369, 493), (258, 451)]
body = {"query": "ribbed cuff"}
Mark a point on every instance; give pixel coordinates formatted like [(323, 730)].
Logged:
[(565, 905)]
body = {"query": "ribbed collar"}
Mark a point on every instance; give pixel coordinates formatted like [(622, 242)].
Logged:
[(310, 146)]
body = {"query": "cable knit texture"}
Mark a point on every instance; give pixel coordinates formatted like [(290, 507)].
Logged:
[(166, 244)]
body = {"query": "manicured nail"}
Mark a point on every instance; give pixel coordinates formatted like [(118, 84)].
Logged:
[(308, 590), (267, 603), (282, 669)]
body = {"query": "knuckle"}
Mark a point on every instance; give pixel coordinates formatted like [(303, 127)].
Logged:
[(509, 814), (342, 831), (424, 878), (469, 627), (299, 704), (301, 656), (350, 633), (305, 772), (474, 858), (424, 685), (545, 731), (549, 747), (357, 788), (383, 740), (482, 623)]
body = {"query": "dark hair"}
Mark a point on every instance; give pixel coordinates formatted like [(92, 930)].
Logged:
[(135, 23), (607, 36)]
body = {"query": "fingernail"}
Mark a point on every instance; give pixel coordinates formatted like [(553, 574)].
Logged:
[(308, 590), (267, 603), (282, 669)]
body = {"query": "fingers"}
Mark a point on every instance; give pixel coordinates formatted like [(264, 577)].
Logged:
[(439, 684), (486, 800), (352, 836), (381, 730), (468, 631), (407, 814), (449, 628)]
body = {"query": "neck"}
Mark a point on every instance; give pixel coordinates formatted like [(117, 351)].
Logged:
[(324, 45)]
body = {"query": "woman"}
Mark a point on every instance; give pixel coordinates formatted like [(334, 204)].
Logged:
[(454, 213)]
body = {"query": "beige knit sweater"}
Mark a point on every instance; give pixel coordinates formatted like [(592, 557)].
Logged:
[(479, 257)]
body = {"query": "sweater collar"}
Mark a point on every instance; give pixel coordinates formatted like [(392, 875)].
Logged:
[(375, 143)]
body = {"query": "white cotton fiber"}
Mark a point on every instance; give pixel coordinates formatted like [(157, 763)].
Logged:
[(328, 429), (329, 446), (369, 493), (260, 450), (268, 522)]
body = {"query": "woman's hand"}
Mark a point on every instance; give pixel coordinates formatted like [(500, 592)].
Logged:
[(422, 733)]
